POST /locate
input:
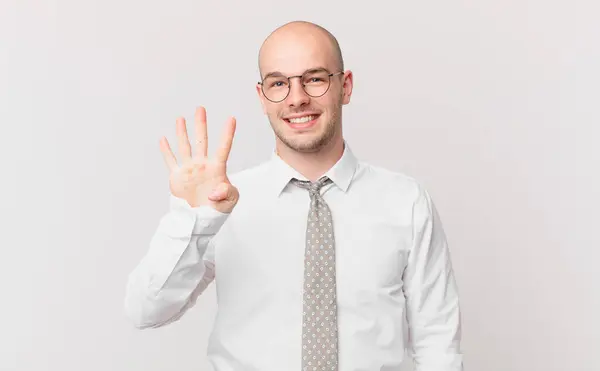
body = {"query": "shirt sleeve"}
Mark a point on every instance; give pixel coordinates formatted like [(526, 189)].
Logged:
[(177, 267), (433, 311)]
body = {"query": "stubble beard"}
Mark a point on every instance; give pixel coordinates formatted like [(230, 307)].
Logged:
[(315, 144)]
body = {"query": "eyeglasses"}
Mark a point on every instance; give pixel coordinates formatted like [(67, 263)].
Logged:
[(314, 82)]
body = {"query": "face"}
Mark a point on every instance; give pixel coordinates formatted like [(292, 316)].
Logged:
[(302, 122)]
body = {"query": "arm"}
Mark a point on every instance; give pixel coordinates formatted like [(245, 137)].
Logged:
[(177, 267), (431, 293)]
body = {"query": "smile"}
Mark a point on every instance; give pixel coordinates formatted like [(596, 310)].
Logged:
[(302, 122)]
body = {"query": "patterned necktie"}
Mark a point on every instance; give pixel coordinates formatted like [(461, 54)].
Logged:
[(319, 317)]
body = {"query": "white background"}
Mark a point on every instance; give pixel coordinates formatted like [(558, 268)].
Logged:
[(492, 105)]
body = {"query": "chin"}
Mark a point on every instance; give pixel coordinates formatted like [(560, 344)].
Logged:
[(306, 142)]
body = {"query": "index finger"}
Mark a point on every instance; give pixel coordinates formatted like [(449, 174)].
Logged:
[(168, 155), (226, 140)]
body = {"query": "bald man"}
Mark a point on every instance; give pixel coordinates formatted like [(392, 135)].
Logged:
[(321, 261)]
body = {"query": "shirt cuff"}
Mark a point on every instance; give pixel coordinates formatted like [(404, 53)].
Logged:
[(207, 219)]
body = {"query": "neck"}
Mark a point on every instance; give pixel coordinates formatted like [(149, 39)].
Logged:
[(312, 165)]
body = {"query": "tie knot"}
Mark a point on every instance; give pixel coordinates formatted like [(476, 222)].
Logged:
[(313, 187)]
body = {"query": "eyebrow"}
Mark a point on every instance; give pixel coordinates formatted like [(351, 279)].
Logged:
[(277, 73)]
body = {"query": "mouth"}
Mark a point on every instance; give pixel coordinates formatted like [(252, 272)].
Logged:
[(302, 122)]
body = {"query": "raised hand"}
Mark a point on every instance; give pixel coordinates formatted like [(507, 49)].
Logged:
[(198, 179)]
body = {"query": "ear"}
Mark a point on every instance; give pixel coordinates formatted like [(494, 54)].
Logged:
[(261, 97), (347, 87)]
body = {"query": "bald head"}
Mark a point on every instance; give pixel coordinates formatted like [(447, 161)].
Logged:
[(300, 37)]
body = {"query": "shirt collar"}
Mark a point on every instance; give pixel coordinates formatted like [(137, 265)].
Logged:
[(341, 173)]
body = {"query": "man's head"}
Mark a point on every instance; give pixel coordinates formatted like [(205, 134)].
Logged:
[(310, 52)]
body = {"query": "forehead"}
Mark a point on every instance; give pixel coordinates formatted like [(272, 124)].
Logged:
[(294, 54)]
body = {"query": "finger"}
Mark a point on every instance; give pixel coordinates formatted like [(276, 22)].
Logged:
[(185, 151), (184, 148), (221, 192), (226, 140), (168, 155), (218, 195), (201, 133)]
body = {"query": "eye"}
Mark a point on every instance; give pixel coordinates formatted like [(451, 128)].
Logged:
[(315, 78), (277, 83)]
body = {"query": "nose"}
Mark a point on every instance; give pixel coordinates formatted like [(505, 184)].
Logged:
[(297, 96)]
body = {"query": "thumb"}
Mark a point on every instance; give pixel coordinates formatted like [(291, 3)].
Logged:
[(221, 192)]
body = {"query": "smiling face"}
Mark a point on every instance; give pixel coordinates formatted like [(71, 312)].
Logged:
[(302, 122)]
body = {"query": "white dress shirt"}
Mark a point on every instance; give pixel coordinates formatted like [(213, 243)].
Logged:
[(396, 287)]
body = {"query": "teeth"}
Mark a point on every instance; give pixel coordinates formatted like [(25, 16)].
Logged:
[(301, 120)]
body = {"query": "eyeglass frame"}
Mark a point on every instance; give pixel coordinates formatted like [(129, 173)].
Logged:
[(330, 75)]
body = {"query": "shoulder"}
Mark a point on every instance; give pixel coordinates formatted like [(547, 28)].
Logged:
[(403, 195), (391, 183)]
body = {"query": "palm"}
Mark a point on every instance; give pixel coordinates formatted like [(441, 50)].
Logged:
[(196, 177)]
